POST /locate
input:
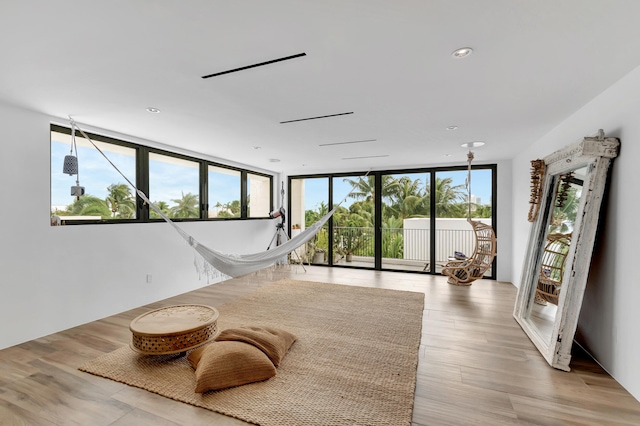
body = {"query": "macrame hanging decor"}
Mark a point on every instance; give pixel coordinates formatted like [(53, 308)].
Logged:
[(537, 175), (70, 165), (563, 189)]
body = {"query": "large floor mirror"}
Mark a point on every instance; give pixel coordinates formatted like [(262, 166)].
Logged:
[(570, 184)]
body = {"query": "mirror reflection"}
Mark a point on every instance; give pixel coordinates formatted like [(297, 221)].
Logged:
[(551, 270)]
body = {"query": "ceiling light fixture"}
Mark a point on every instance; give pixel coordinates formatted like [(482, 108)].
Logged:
[(474, 144), (463, 52), (345, 143), (273, 61), (274, 160), (316, 118), (153, 110), (257, 147), (452, 128), (360, 158)]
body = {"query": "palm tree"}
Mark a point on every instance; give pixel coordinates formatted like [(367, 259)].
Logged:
[(187, 206), (407, 199), (88, 205), (365, 187), (120, 201), (163, 206), (481, 211), (448, 198)]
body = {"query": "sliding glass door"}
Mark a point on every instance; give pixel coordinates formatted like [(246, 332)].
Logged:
[(454, 237), (403, 221), (405, 230), (354, 237), (309, 201)]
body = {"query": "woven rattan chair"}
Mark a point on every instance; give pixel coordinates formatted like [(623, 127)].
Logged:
[(464, 272), (552, 268)]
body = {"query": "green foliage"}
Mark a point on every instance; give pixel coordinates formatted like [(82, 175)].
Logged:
[(163, 207), (187, 206), (120, 201), (87, 205), (402, 198), (564, 216)]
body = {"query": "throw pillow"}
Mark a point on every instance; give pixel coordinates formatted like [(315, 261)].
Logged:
[(274, 342), (222, 365)]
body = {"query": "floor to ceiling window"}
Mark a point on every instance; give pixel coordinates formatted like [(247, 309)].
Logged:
[(406, 221), (412, 220), (353, 223), (309, 201), (452, 206)]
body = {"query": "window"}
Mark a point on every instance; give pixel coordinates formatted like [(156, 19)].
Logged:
[(258, 195), (182, 187), (107, 195), (174, 186), (224, 192)]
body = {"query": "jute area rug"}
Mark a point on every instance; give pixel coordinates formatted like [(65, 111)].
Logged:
[(354, 362)]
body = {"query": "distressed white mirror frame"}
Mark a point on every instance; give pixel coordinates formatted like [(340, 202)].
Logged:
[(595, 154)]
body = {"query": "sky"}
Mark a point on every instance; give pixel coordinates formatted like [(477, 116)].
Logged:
[(167, 181)]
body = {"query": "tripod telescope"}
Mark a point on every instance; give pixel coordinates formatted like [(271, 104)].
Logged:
[(280, 234)]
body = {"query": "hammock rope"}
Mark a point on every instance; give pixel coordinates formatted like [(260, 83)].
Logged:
[(216, 263)]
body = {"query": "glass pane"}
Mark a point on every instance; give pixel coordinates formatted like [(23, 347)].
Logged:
[(174, 186), (258, 195), (107, 195), (454, 236), (405, 222), (309, 202), (224, 192), (354, 221)]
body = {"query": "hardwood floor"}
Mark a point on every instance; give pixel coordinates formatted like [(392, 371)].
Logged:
[(476, 365)]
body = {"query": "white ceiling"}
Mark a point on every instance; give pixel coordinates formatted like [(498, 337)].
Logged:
[(388, 62)]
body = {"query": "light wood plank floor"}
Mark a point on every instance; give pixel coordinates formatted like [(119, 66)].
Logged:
[(476, 365)]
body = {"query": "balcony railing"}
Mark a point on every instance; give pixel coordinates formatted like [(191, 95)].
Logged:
[(399, 246)]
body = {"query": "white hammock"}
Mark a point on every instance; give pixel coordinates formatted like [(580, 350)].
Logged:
[(235, 265), (232, 265)]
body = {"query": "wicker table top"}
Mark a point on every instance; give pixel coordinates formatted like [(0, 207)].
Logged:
[(173, 329)]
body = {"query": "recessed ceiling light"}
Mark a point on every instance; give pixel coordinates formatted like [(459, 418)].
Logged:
[(474, 144), (257, 147), (452, 127), (153, 110), (447, 155), (274, 160), (463, 52)]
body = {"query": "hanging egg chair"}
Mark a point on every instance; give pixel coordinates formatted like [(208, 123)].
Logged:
[(466, 271)]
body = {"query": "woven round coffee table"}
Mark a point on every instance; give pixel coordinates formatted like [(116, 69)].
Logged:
[(173, 329)]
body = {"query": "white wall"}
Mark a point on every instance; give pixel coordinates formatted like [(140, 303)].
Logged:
[(53, 278), (608, 325)]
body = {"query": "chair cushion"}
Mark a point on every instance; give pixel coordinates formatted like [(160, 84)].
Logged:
[(274, 342), (222, 365)]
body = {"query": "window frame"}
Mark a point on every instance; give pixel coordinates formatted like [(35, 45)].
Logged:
[(142, 182)]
